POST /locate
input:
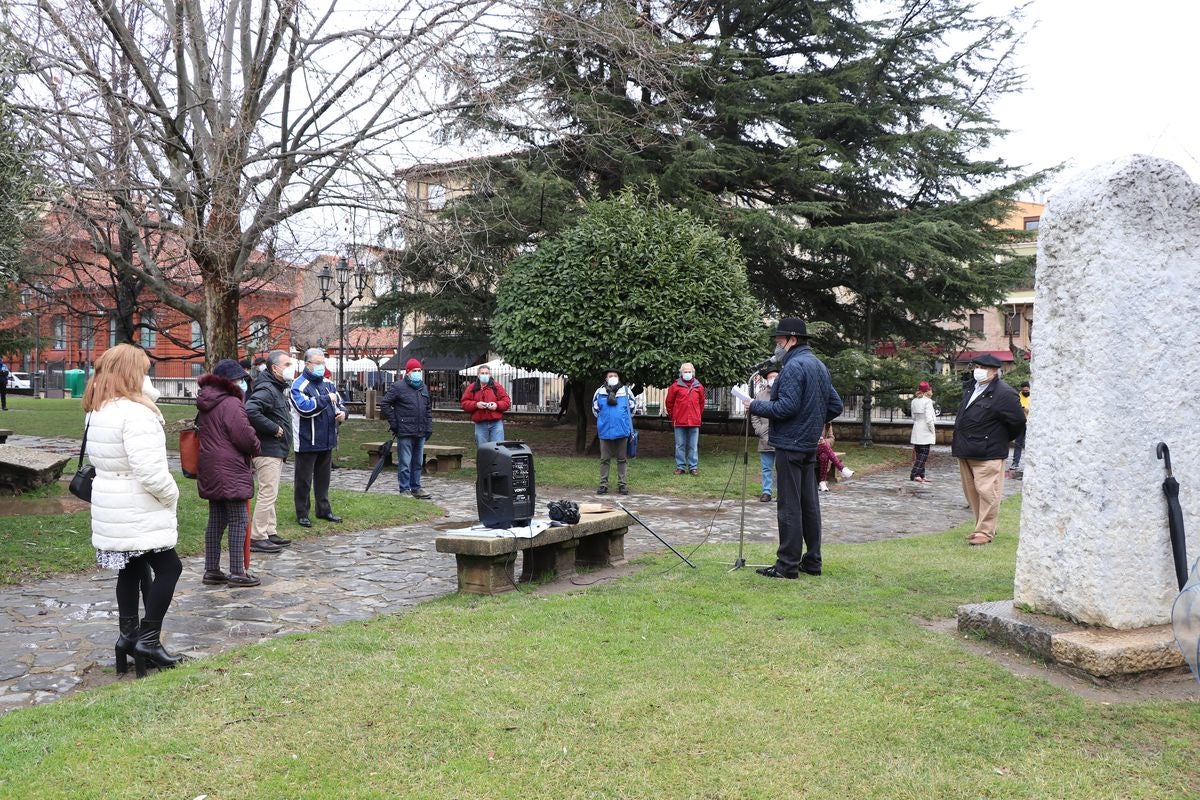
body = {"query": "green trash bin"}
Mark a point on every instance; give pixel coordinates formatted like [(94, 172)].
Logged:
[(74, 381)]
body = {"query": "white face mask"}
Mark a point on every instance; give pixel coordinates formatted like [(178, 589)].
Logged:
[(149, 390), (613, 381), (289, 372), (485, 378), (980, 374), (770, 382), (687, 376)]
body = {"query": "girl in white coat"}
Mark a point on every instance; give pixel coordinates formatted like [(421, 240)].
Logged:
[(924, 433), (134, 496)]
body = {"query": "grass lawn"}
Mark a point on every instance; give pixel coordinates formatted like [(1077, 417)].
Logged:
[(653, 472), (672, 684), (555, 463), (36, 546), (29, 416)]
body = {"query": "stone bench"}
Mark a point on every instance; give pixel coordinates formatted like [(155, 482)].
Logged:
[(486, 563), (4, 434), (438, 457)]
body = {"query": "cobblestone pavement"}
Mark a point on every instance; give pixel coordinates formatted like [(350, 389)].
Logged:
[(57, 634)]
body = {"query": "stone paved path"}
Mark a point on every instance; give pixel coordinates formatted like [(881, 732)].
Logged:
[(57, 635)]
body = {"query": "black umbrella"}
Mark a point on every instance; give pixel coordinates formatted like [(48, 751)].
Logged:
[(384, 450), (1174, 517)]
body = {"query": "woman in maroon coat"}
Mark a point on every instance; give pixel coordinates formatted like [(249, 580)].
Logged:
[(228, 444)]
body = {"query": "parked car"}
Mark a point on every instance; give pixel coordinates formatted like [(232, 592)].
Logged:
[(18, 380)]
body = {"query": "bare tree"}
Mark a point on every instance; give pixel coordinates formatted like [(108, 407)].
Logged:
[(223, 125)]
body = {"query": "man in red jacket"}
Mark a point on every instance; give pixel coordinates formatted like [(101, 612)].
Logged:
[(685, 407), (486, 401)]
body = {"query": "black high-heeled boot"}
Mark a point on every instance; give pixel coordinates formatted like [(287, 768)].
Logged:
[(125, 642), (148, 648)]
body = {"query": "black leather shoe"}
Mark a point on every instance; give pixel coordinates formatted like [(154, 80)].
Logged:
[(330, 517), (304, 522), (214, 577), (810, 571), (765, 498), (264, 546), (623, 490), (602, 490), (275, 538), (246, 579), (772, 572)]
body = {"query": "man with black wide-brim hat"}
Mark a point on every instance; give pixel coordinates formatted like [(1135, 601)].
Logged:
[(988, 419), (802, 401)]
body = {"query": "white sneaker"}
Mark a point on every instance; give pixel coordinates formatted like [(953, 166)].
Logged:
[(824, 487), (847, 472)]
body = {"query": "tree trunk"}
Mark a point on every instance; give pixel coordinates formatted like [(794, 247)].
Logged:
[(582, 412), (220, 321)]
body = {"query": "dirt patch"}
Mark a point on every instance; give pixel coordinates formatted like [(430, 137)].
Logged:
[(1164, 685), (40, 506)]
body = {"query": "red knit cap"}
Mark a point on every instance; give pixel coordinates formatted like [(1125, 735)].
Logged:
[(923, 386), (411, 365)]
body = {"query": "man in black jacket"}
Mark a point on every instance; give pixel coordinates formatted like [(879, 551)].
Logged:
[(802, 401), (271, 416), (989, 418)]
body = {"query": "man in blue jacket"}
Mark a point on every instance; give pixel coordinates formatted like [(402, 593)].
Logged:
[(612, 406), (317, 410), (802, 401)]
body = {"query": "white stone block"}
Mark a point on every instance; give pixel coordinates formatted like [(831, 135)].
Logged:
[(1116, 369)]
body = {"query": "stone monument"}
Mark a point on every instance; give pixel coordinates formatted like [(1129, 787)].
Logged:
[(1116, 369)]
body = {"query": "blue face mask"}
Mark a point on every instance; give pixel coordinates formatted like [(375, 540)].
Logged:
[(414, 377), (242, 385), (485, 378)]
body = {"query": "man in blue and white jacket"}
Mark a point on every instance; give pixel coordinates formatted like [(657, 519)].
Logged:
[(612, 406), (317, 411)]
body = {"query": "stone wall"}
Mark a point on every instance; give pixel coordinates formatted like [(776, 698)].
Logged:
[(1115, 370)]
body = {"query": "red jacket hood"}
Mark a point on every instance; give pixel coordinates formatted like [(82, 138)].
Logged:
[(214, 389)]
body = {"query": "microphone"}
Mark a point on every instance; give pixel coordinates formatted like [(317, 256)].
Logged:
[(770, 362)]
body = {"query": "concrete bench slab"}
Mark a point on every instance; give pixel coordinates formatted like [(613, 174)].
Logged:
[(486, 563), (23, 468), (438, 457)]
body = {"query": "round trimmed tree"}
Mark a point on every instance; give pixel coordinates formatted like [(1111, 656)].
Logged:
[(637, 286)]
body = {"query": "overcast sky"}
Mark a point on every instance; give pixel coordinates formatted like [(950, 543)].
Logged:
[(1107, 80)]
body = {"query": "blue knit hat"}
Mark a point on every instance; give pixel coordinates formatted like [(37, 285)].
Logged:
[(230, 370)]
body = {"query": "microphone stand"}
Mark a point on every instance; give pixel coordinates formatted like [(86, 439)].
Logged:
[(740, 561)]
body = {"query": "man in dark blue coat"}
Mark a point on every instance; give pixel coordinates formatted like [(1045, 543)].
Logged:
[(409, 412), (802, 401)]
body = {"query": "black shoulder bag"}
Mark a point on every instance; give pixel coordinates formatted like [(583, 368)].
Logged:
[(81, 484)]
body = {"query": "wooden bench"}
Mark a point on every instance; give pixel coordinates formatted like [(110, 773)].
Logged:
[(486, 563), (438, 457), (4, 434)]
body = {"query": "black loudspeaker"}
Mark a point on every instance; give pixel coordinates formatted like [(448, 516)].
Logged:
[(504, 487)]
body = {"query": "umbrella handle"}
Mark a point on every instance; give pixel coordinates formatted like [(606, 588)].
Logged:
[(1164, 454)]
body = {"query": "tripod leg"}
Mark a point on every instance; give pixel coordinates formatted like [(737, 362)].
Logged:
[(656, 536)]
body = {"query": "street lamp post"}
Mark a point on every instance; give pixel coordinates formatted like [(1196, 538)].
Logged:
[(325, 279)]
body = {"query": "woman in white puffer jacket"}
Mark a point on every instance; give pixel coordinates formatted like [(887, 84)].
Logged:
[(134, 495)]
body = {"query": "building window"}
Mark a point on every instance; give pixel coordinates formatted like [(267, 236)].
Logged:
[(435, 196), (112, 332), (260, 333), (197, 336), (197, 369), (975, 323), (60, 333), (1031, 223), (149, 335), (1012, 324), (87, 334)]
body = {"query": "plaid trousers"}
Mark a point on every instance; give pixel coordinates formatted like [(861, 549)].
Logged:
[(224, 514)]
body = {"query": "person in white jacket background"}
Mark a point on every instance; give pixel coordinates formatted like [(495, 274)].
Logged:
[(134, 496), (924, 432)]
